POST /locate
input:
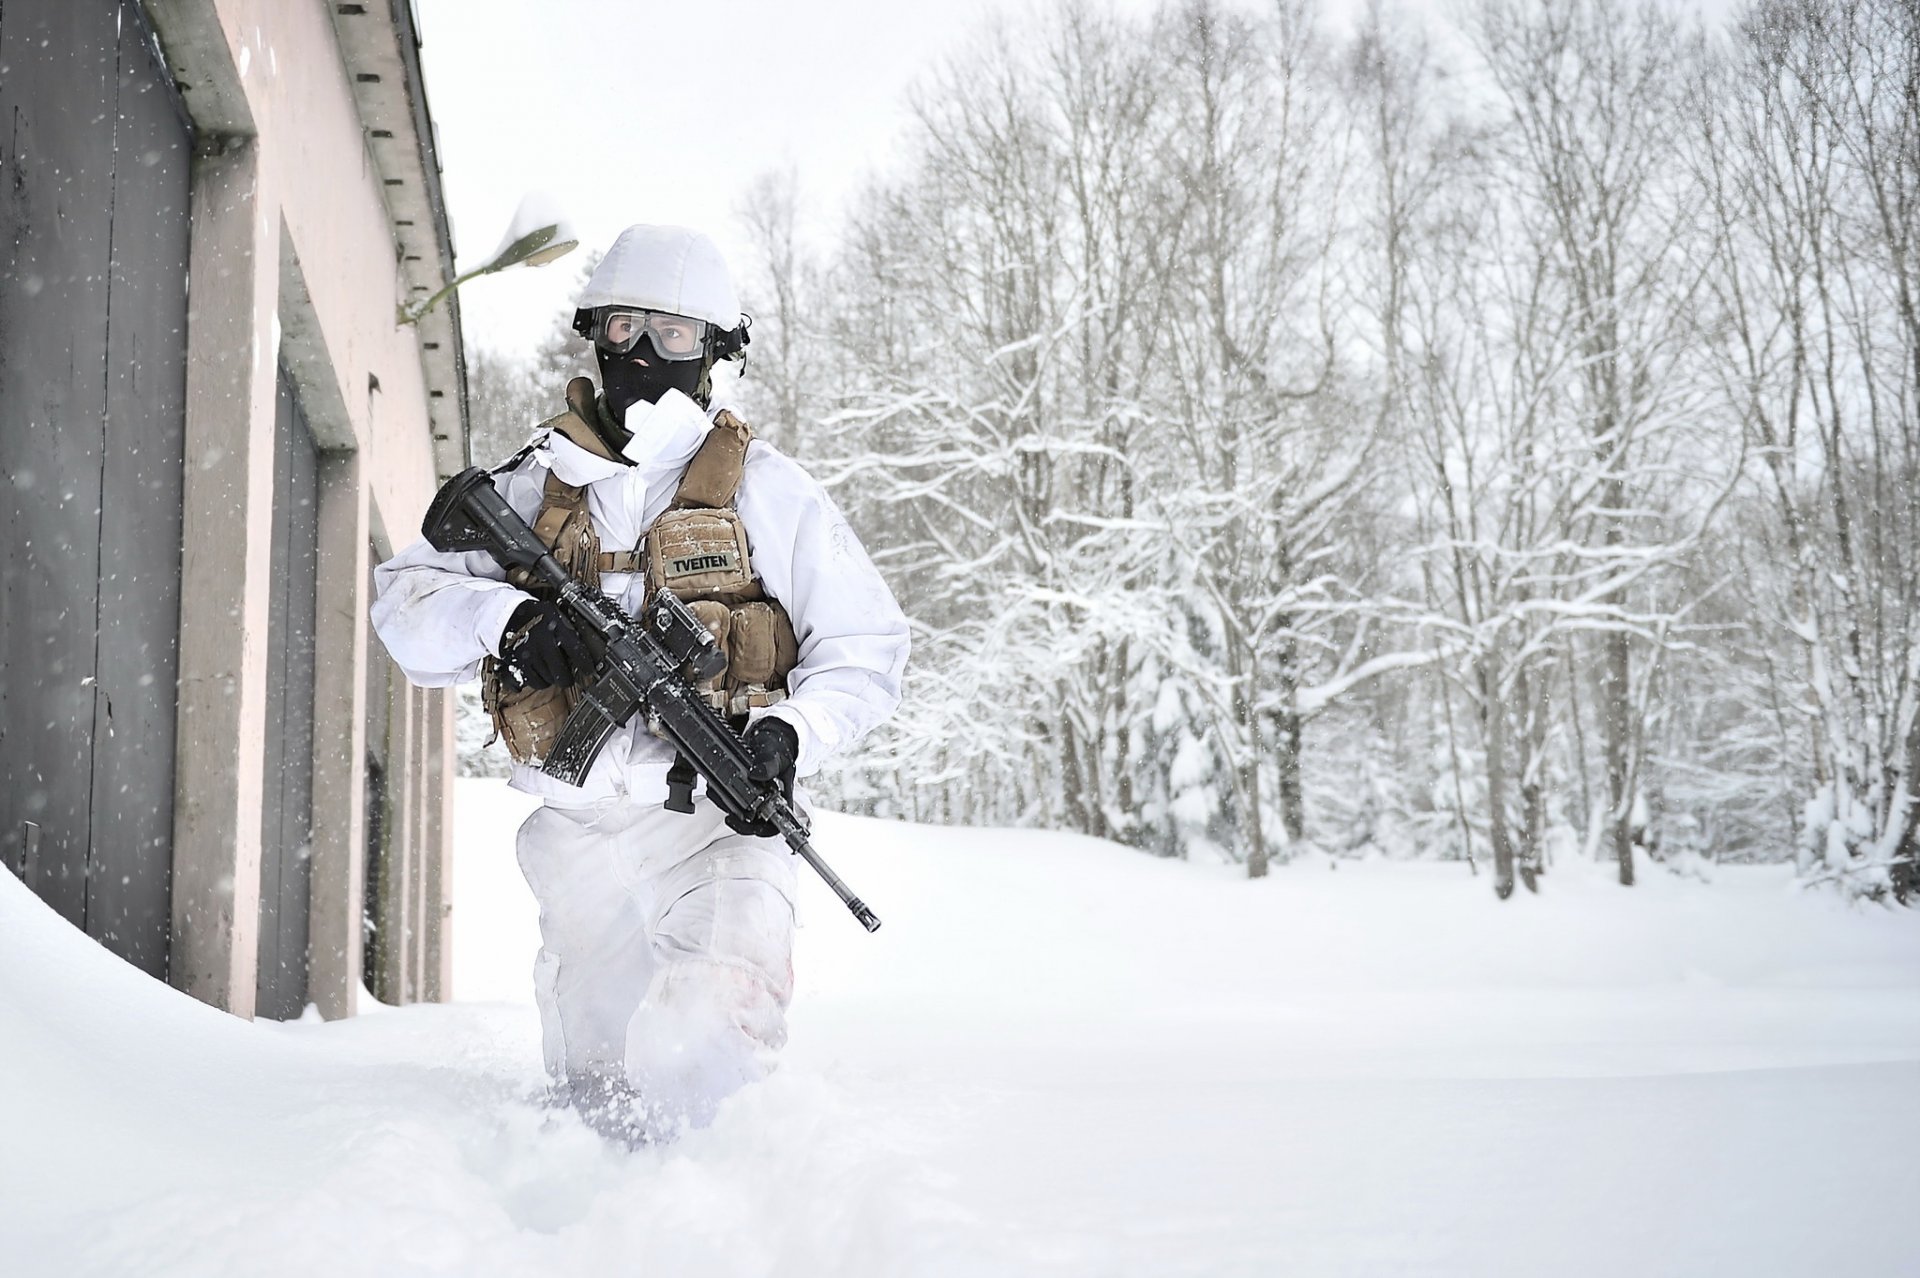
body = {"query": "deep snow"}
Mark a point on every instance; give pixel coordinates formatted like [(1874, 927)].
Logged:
[(1058, 1057)]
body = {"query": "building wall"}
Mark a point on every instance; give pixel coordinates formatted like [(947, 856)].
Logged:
[(296, 256), (95, 156), (297, 265)]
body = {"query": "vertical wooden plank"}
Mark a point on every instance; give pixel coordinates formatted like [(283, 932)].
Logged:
[(380, 816), (57, 84), (422, 843), (272, 863), (296, 781), (376, 970), (140, 521), (437, 942), (393, 904), (287, 809)]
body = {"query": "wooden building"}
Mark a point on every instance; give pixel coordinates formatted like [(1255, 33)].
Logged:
[(211, 427)]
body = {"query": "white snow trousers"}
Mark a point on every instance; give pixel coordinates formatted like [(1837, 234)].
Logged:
[(666, 955)]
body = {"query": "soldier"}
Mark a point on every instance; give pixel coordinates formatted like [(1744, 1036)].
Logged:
[(665, 967)]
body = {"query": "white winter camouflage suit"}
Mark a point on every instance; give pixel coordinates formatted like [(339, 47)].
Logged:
[(666, 939)]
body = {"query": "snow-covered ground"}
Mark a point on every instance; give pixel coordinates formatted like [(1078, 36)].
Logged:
[(1057, 1058)]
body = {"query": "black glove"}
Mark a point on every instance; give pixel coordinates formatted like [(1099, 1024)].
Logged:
[(774, 747), (541, 648)]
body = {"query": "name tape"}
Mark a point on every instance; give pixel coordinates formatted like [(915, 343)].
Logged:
[(689, 565)]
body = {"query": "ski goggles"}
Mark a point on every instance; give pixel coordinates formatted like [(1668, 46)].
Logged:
[(617, 330)]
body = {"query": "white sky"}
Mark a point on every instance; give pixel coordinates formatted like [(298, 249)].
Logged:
[(646, 111), (641, 111)]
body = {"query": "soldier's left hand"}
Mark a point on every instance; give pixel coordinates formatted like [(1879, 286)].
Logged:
[(774, 748)]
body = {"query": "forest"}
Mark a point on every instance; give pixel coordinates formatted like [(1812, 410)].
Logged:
[(1491, 438)]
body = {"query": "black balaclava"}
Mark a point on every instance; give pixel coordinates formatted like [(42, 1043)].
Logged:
[(626, 382)]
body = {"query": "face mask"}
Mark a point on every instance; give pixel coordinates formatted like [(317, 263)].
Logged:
[(626, 383)]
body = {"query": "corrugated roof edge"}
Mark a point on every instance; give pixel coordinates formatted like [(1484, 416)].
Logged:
[(407, 27)]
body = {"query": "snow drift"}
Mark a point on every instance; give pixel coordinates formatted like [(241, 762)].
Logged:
[(1058, 1057)]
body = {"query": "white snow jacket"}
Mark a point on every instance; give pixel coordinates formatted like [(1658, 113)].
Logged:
[(440, 614)]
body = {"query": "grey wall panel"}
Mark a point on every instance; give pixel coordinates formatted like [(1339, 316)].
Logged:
[(286, 878), (377, 966), (93, 256), (57, 88), (146, 386), (272, 862)]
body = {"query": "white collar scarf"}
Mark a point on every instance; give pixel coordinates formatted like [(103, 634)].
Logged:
[(666, 435)]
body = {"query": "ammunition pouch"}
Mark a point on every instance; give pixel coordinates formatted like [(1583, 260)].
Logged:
[(758, 640), (700, 554), (529, 719), (698, 549)]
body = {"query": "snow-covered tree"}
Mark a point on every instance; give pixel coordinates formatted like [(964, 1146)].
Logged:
[(1498, 445), (1811, 161)]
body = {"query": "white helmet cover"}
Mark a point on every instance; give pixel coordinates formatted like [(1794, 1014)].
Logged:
[(665, 268)]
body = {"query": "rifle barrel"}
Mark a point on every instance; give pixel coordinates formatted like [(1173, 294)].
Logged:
[(797, 840)]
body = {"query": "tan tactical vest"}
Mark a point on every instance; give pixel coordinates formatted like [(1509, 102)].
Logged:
[(697, 548)]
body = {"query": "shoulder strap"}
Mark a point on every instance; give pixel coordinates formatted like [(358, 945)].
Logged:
[(562, 501), (573, 422), (513, 462), (712, 480)]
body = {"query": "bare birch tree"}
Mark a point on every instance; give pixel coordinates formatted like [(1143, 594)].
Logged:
[(1593, 95), (1812, 164)]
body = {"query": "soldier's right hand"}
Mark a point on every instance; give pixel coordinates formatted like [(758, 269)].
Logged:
[(541, 648)]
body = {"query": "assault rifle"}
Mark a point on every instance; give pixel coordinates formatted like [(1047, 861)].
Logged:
[(650, 665)]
